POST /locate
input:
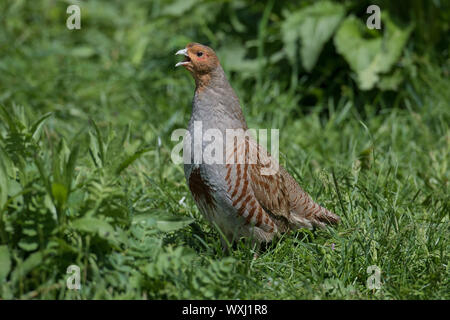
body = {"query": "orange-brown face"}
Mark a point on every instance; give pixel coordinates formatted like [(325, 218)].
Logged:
[(198, 59)]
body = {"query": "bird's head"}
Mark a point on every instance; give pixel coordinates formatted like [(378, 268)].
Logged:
[(200, 60)]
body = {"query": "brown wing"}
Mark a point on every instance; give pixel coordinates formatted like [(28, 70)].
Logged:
[(281, 196), (304, 211), (266, 195), (259, 186), (269, 187), (246, 196)]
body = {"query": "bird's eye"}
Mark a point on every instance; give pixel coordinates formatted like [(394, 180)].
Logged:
[(199, 54)]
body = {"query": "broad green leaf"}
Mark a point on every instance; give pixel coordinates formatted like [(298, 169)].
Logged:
[(3, 180), (6, 160), (5, 263), (234, 21), (94, 225), (169, 222), (82, 52), (60, 193), (131, 159), (97, 146), (369, 58), (179, 7), (70, 167), (314, 25), (28, 246), (163, 221), (145, 219), (139, 50), (36, 128), (391, 81), (44, 177), (4, 115), (25, 267), (233, 58)]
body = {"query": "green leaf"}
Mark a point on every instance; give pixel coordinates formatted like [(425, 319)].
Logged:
[(370, 57), (4, 115), (97, 146), (82, 52), (60, 193), (94, 225), (5, 263), (233, 58), (179, 7), (234, 20), (70, 167), (168, 222), (145, 219), (42, 174), (391, 81), (3, 180), (36, 128), (131, 159), (163, 221), (8, 164), (24, 268), (139, 50), (314, 26), (28, 246)]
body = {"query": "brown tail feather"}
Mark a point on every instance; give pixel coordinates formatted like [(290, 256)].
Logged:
[(313, 216), (327, 217)]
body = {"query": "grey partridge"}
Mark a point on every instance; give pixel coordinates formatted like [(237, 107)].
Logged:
[(237, 196)]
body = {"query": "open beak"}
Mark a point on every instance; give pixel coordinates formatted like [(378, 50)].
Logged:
[(186, 57)]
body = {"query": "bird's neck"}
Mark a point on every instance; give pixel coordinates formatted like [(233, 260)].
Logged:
[(215, 102), (215, 78)]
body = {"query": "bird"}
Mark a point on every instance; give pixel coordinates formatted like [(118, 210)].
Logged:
[(237, 196)]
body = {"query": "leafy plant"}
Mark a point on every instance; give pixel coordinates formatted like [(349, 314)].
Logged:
[(314, 25), (371, 59)]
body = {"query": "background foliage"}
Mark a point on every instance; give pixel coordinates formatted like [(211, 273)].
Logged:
[(85, 123)]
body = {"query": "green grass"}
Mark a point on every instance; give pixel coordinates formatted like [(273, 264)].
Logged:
[(90, 184)]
